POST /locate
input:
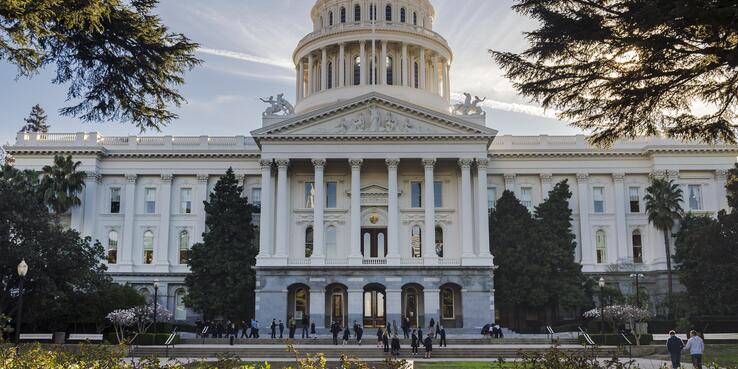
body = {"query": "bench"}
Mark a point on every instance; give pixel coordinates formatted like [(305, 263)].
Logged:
[(86, 337), (36, 336)]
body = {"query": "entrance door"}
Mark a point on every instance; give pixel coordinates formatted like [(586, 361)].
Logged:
[(374, 243), (411, 306), (374, 309)]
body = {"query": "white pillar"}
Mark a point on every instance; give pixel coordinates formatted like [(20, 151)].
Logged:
[(267, 210), (161, 249), (301, 80), (90, 204), (317, 308), (342, 65), (318, 213), (201, 195), (362, 57), (129, 215), (283, 205), (405, 66), (394, 305), (324, 69), (622, 236), (585, 232), (446, 80), (310, 88), (467, 226), (422, 68), (721, 176), (393, 217), (546, 179), (383, 64), (429, 235), (432, 302), (482, 214), (355, 306), (355, 254)]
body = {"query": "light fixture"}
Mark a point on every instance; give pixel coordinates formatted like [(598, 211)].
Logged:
[(22, 268)]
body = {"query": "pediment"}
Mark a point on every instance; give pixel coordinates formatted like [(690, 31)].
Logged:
[(374, 116)]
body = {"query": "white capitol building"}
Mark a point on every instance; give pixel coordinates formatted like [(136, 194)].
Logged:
[(400, 184)]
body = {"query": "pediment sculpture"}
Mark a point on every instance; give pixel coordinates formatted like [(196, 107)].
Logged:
[(469, 106), (376, 122), (277, 106)]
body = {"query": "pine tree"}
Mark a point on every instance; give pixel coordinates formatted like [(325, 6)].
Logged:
[(36, 121), (222, 279)]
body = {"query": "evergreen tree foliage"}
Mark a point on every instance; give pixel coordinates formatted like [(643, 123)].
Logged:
[(36, 121), (222, 278), (625, 68), (118, 59)]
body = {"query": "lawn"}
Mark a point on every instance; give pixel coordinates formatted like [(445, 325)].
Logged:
[(725, 355)]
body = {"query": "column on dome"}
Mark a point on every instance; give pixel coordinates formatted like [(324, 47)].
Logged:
[(362, 58), (318, 213), (622, 234), (422, 69), (341, 65), (434, 77), (128, 218), (201, 196), (721, 176), (355, 253), (324, 69), (467, 226), (393, 216), (90, 203), (310, 76), (301, 80), (482, 215), (440, 73), (405, 66), (267, 210), (429, 234), (282, 209), (161, 249), (447, 80), (585, 232), (383, 64)]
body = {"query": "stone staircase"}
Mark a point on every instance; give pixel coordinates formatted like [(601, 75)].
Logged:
[(371, 340)]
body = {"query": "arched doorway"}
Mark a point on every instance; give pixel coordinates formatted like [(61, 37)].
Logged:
[(336, 296), (375, 306), (298, 303), (451, 306), (412, 304)]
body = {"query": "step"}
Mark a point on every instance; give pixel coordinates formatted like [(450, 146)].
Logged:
[(373, 340)]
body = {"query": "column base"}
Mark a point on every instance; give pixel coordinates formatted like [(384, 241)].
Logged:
[(430, 261), (355, 260)]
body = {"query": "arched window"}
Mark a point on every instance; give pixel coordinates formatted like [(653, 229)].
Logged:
[(372, 12), (330, 18), (416, 74), (416, 242), (300, 303), (637, 247), (415, 18), (357, 71), (308, 242), (180, 312), (330, 75), (148, 247), (388, 13), (184, 247), (390, 73), (448, 310), (331, 244), (402, 15), (601, 247), (337, 305), (357, 13), (343, 15), (112, 247), (439, 242)]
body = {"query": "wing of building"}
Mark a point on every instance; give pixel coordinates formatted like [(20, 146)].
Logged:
[(399, 182)]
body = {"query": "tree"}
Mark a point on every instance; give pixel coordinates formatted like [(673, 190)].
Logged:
[(663, 205), (119, 60), (36, 121), (222, 279), (61, 183), (626, 68)]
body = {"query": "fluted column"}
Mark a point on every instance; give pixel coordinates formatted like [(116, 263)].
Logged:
[(324, 69), (90, 203), (161, 249), (342, 65), (584, 226), (447, 80), (383, 64), (301, 80), (362, 57), (467, 227), (393, 217), (201, 196), (482, 215), (422, 68), (267, 210), (721, 176), (355, 254), (622, 235), (126, 258), (282, 229), (318, 213), (405, 66), (429, 235), (310, 76)]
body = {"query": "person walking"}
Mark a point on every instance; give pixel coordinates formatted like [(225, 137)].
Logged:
[(281, 329), (273, 328), (305, 326), (312, 330), (442, 334), (385, 340), (431, 327), (335, 330), (379, 336), (292, 325), (255, 328), (414, 342), (359, 333), (428, 343), (395, 346), (244, 329), (438, 330), (404, 327), (696, 348), (674, 346), (346, 335)]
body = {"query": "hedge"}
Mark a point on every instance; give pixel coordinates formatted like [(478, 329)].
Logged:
[(616, 339), (145, 339)]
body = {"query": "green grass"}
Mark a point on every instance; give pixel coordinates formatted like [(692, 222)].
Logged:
[(725, 355)]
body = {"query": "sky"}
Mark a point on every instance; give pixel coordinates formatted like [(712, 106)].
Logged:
[(246, 48)]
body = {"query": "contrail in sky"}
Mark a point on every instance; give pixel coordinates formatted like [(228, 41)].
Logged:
[(247, 57)]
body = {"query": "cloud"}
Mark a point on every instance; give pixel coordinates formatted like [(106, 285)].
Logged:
[(533, 110), (283, 63)]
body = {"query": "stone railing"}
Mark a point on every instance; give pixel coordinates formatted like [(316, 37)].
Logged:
[(367, 25), (579, 143), (94, 139), (412, 261), (374, 261), (449, 262)]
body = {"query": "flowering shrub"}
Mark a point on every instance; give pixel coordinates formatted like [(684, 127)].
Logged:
[(139, 317), (620, 314)]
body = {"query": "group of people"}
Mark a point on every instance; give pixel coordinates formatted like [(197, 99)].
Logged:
[(228, 329), (307, 325), (695, 345), (492, 331), (388, 338)]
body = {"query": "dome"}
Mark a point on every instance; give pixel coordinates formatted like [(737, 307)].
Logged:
[(362, 46)]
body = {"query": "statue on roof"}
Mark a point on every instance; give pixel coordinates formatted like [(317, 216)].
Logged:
[(278, 105), (469, 106)]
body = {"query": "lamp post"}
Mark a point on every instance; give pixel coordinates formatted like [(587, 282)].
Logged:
[(22, 271), (637, 277), (156, 300), (602, 305)]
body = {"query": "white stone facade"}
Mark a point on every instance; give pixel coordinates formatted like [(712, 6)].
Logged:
[(386, 167)]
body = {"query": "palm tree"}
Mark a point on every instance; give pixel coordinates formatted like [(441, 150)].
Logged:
[(663, 205), (61, 183)]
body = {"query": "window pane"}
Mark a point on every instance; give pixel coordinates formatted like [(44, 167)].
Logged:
[(256, 196), (637, 247), (438, 193), (599, 199), (415, 242), (115, 200), (416, 194), (180, 312), (526, 195), (601, 247), (331, 193), (112, 247), (309, 195), (695, 197), (380, 305), (491, 197), (185, 198), (367, 304), (309, 242), (439, 242), (447, 303), (150, 201), (148, 246)]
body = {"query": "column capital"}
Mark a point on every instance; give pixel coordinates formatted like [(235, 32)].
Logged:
[(319, 163), (283, 163), (203, 178), (429, 163), (582, 177), (509, 177), (356, 163), (546, 178), (167, 178), (131, 178), (722, 174), (672, 174), (482, 162), (265, 163), (658, 174), (465, 163), (618, 177), (96, 177), (392, 163)]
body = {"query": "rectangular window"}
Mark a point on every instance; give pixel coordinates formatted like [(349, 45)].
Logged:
[(598, 195), (491, 197), (526, 197), (309, 195), (695, 197), (438, 194), (115, 200), (331, 193), (634, 194), (256, 197), (416, 194), (185, 201), (150, 201)]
